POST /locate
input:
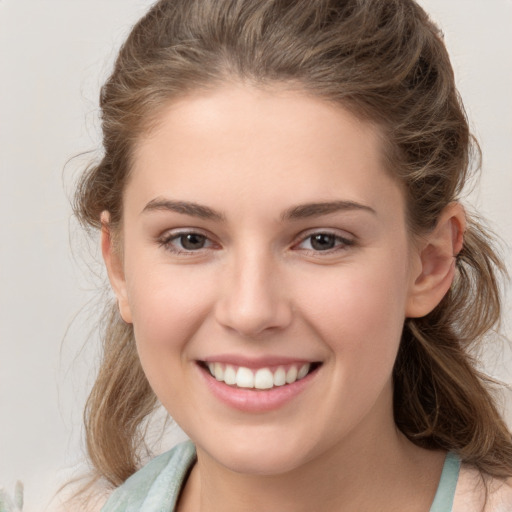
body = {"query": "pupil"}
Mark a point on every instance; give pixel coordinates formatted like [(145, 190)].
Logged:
[(192, 241), (322, 242)]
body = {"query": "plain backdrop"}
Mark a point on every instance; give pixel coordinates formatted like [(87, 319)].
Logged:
[(54, 55)]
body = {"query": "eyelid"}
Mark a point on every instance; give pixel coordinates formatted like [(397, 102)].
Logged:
[(346, 239), (165, 239)]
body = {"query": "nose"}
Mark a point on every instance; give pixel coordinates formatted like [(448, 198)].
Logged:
[(254, 298)]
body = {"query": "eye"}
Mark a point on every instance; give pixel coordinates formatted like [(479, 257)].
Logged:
[(191, 241), (324, 241), (185, 242)]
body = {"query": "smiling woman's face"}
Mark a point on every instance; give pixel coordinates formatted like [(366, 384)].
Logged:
[(262, 238)]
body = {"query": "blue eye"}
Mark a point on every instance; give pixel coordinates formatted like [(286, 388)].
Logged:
[(324, 242)]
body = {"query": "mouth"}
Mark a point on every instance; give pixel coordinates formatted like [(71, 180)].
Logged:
[(263, 378)]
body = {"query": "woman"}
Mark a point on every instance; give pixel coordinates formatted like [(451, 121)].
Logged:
[(295, 278)]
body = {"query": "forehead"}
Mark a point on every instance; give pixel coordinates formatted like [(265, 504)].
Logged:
[(270, 143)]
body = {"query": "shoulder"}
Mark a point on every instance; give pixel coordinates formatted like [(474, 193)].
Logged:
[(156, 485), (481, 493), (500, 496)]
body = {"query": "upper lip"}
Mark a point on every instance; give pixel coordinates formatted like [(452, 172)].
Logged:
[(256, 362)]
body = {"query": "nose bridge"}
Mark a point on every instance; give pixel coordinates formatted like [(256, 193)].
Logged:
[(253, 299)]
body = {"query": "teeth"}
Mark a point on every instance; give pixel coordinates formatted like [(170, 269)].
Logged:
[(230, 375), (291, 375), (218, 372), (304, 369), (280, 377), (263, 378), (244, 378)]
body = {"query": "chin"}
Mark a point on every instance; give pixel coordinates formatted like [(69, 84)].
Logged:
[(261, 464), (261, 457)]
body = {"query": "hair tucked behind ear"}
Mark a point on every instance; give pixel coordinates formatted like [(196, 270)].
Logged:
[(385, 61), (441, 400)]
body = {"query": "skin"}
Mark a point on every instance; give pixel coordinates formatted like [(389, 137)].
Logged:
[(258, 288)]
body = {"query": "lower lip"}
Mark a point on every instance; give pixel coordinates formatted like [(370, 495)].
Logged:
[(255, 400)]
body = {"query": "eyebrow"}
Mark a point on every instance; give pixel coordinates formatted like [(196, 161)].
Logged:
[(304, 211), (184, 207)]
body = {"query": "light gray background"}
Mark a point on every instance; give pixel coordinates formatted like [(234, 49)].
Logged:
[(54, 54)]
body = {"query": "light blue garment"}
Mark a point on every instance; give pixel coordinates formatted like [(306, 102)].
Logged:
[(156, 487), (443, 500)]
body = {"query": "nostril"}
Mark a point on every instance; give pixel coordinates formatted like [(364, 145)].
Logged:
[(253, 321), (251, 300)]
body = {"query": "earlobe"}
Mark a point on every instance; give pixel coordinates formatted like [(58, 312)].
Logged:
[(437, 257), (114, 265)]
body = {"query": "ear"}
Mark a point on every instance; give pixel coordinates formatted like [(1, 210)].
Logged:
[(114, 264), (436, 270)]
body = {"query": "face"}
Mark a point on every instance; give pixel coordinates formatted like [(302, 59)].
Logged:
[(267, 271)]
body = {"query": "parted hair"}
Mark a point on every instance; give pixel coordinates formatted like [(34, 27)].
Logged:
[(386, 62)]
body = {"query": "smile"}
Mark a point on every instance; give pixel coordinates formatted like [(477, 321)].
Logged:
[(261, 378), (257, 386)]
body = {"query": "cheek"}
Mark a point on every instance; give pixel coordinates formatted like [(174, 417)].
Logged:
[(359, 312), (167, 308), (361, 322)]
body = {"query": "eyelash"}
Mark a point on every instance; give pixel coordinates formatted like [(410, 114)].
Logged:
[(341, 243), (166, 241)]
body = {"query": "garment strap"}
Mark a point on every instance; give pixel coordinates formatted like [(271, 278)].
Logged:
[(443, 500)]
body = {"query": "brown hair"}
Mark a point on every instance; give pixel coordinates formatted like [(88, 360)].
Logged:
[(385, 61)]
